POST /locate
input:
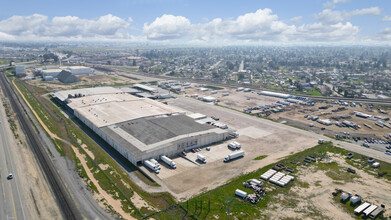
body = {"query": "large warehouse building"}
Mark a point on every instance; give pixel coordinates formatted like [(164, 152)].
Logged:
[(138, 128)]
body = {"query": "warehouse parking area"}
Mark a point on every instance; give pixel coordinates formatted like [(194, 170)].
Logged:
[(257, 137)]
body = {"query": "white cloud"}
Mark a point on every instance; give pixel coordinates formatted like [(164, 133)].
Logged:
[(331, 4), (167, 27), (324, 33), (296, 19), (384, 35), (386, 18), (259, 26), (329, 16), (39, 26)]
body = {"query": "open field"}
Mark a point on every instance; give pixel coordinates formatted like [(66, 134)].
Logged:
[(308, 196), (86, 81)]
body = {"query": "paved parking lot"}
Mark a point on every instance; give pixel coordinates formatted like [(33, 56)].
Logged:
[(257, 137)]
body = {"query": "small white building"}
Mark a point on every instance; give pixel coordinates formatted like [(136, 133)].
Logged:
[(20, 70), (80, 70), (209, 99)]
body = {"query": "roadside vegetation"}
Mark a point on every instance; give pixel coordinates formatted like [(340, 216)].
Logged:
[(213, 87)]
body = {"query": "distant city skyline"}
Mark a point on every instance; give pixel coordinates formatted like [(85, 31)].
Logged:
[(312, 22)]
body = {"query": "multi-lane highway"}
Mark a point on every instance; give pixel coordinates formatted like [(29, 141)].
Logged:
[(66, 204), (11, 204)]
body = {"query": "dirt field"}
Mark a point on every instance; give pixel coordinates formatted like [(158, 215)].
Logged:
[(86, 81), (314, 199)]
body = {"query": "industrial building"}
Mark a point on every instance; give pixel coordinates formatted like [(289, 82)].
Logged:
[(20, 70), (75, 70), (138, 128), (79, 70), (67, 77)]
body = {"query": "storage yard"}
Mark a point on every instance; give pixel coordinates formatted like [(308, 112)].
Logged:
[(309, 190)]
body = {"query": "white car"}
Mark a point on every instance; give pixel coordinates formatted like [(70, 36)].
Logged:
[(10, 176)]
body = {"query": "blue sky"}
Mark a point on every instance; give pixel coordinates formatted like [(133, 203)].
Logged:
[(185, 21)]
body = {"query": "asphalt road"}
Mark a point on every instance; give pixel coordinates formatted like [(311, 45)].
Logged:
[(11, 205), (208, 109)]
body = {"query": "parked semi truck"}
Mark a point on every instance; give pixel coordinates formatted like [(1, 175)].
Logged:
[(234, 145), (201, 158), (234, 156), (168, 161), (155, 162), (151, 166)]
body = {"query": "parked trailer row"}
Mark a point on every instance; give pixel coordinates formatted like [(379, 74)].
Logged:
[(369, 210), (277, 178)]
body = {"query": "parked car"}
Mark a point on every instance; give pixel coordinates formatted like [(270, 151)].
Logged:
[(184, 153), (10, 176), (207, 148), (215, 118), (371, 160), (193, 150), (350, 156)]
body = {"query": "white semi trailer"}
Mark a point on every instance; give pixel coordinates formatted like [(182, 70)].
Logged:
[(234, 145), (201, 158), (168, 161), (155, 162), (234, 156), (151, 166)]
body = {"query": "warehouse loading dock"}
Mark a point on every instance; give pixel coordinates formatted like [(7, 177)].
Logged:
[(138, 128)]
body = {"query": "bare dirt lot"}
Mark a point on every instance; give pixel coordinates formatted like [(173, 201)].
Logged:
[(313, 197), (86, 81)]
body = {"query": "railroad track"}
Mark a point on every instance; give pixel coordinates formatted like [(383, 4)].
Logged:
[(66, 204)]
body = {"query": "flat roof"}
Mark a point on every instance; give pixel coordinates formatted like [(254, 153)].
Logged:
[(77, 67), (142, 135), (144, 87), (129, 90), (63, 95), (158, 128), (51, 70), (103, 110)]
